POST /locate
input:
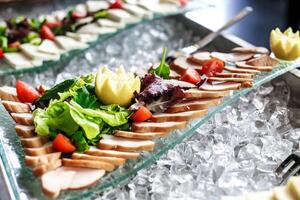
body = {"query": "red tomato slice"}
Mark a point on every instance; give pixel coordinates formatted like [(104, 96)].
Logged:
[(183, 2), (141, 115), (211, 67), (63, 144), (78, 15), (46, 33), (15, 44), (191, 75), (116, 5), (53, 24), (1, 53), (26, 93)]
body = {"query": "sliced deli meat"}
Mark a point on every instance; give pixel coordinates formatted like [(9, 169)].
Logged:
[(64, 178), (113, 153), (8, 93), (23, 118), (221, 86), (226, 74), (255, 50), (179, 116), (25, 131), (180, 64), (109, 142), (94, 164), (243, 65), (157, 126), (201, 94), (228, 79), (113, 160), (43, 168), (140, 136), (45, 149), (34, 142), (241, 70), (264, 60), (199, 57), (16, 107), (34, 161), (232, 57), (197, 104)]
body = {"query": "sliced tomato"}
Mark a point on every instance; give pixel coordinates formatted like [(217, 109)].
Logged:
[(141, 115), (26, 93), (15, 45), (53, 24), (63, 144), (1, 53), (117, 4), (211, 67), (183, 2), (46, 33), (78, 15), (191, 75)]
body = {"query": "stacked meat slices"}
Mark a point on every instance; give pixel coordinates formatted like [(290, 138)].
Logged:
[(84, 169)]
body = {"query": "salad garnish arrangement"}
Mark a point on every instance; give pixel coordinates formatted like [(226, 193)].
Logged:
[(29, 42), (83, 128)]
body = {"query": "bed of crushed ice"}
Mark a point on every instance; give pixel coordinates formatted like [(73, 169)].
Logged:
[(235, 152)]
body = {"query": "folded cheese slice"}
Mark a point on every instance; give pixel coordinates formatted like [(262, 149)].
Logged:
[(69, 44), (33, 52)]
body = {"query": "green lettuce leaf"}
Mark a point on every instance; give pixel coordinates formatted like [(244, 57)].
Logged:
[(80, 142), (85, 99)]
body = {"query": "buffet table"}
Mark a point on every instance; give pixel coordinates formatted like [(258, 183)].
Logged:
[(233, 153)]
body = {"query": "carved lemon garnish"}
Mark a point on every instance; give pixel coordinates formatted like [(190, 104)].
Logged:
[(116, 87), (285, 45)]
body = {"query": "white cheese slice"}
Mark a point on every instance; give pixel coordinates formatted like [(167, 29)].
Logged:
[(94, 28), (282, 193), (138, 11), (94, 6), (18, 60), (81, 8), (69, 44), (267, 195), (176, 2), (160, 8), (84, 20), (59, 14), (50, 18), (33, 52), (110, 23), (82, 37), (131, 1), (122, 16), (50, 47)]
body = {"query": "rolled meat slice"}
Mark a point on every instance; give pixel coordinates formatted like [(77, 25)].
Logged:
[(255, 50), (243, 65), (110, 142), (226, 74), (25, 131), (113, 153), (228, 79), (113, 160), (94, 164), (157, 126), (264, 60), (180, 64), (140, 136), (178, 117), (34, 161), (221, 86), (232, 57), (45, 149), (16, 107), (199, 57), (8, 93), (241, 70), (33, 142), (43, 168), (23, 118), (198, 104), (201, 94)]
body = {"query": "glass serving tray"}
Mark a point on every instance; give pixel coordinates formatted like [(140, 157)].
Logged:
[(20, 176), (6, 69)]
